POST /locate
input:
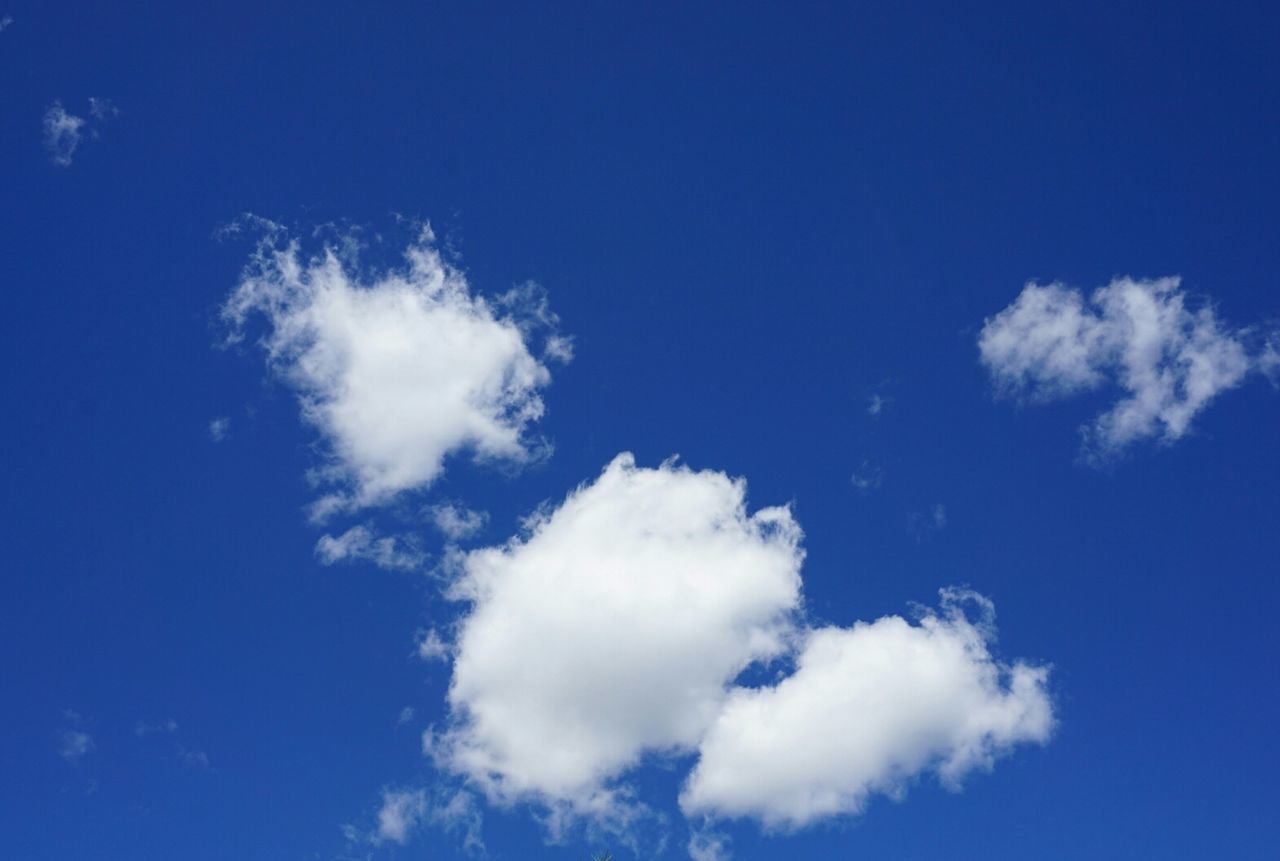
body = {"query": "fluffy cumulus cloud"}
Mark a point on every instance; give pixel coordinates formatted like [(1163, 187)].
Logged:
[(613, 628), (400, 368), (619, 624), (1169, 360), (868, 708)]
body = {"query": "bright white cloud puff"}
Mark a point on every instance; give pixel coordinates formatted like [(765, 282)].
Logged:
[(616, 626), (397, 369), (867, 709), (612, 629), (1139, 335)]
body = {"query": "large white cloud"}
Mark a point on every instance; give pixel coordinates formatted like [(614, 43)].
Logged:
[(867, 709), (612, 628), (1140, 335), (397, 369), (615, 628)]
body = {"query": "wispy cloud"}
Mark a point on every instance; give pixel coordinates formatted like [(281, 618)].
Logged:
[(62, 134), (362, 543), (867, 476), (400, 813), (194, 758), (145, 728), (432, 647), (1140, 336), (455, 521), (708, 845), (404, 811), (168, 727), (219, 428), (924, 524), (64, 131), (73, 742), (102, 109), (74, 745)]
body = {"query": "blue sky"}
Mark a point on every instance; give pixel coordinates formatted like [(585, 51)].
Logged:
[(791, 246)]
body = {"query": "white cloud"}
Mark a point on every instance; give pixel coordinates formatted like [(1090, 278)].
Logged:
[(361, 543), (62, 134), (397, 369), (5, 22), (707, 845), (219, 428), (611, 630), (403, 811), (74, 745), (406, 715), (614, 627), (64, 131), (456, 522), (460, 815), (1136, 334), (867, 709), (431, 647), (876, 405), (559, 348)]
